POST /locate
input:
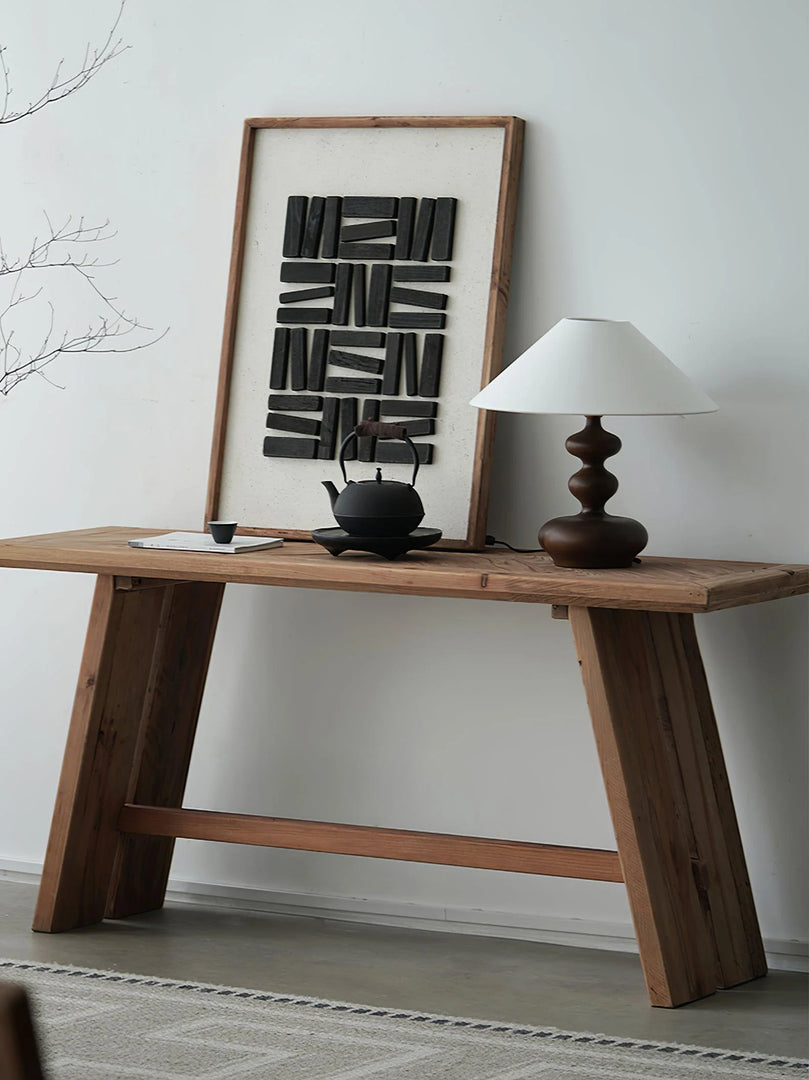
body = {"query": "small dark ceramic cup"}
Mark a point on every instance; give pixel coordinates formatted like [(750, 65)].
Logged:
[(222, 531)]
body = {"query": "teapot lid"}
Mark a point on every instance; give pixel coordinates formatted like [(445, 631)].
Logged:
[(378, 479), (379, 498)]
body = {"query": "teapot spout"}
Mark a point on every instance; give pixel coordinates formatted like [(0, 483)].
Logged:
[(332, 490)]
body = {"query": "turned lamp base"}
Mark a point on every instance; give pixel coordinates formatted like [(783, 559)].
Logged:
[(593, 539)]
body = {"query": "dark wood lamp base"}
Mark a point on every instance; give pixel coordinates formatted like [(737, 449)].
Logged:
[(593, 539)]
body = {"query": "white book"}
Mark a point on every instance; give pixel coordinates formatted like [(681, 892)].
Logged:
[(191, 541)]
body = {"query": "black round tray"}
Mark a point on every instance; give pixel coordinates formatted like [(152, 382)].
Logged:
[(337, 541)]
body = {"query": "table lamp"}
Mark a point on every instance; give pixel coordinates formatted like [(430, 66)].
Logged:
[(593, 367)]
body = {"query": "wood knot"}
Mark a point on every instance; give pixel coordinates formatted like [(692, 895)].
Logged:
[(701, 877)]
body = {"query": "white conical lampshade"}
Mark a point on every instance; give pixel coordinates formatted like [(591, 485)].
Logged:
[(593, 367)]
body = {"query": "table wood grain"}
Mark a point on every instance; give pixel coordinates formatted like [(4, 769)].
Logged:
[(152, 626), (655, 584)]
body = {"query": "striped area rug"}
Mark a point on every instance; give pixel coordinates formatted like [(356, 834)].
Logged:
[(104, 1025)]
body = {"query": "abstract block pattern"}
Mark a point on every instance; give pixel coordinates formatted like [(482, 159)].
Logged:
[(369, 257)]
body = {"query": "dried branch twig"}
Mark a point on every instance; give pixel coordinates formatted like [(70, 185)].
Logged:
[(48, 262), (59, 257), (61, 86)]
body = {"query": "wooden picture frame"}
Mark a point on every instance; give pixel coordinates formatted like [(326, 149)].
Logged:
[(369, 279)]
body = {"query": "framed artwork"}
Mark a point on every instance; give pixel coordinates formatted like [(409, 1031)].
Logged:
[(369, 280)]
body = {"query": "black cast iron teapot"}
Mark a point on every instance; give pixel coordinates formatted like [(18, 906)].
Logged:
[(376, 507)]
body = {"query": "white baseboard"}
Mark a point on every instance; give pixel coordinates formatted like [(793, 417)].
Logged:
[(580, 933), (591, 935)]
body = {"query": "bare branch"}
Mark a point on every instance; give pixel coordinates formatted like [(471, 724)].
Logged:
[(49, 261), (46, 253), (63, 256), (100, 337), (61, 86)]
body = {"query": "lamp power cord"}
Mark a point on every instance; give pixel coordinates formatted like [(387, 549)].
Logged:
[(492, 540)]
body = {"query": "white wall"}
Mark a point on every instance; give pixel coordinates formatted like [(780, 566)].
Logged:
[(664, 182)]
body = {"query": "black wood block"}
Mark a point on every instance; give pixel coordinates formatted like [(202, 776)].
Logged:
[(404, 407), (309, 271), (431, 355), (367, 443), (444, 229), (422, 234), (303, 315), (293, 229), (368, 231), (278, 365), (404, 231), (306, 294), (395, 452), (317, 360), (328, 429), (366, 339), (297, 358), (359, 294), (379, 295), (421, 273), (417, 320), (331, 227), (279, 446), (419, 298), (303, 425), (365, 251), (342, 294), (294, 402), (337, 385), (348, 421), (411, 371), (359, 206), (314, 228), (393, 363), (419, 427), (371, 364)]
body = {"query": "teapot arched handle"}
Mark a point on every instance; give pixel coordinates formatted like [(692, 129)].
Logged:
[(378, 430)]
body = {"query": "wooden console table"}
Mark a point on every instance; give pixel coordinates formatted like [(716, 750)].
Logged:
[(152, 624)]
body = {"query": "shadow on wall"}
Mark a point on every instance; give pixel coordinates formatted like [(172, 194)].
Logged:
[(757, 437), (756, 662)]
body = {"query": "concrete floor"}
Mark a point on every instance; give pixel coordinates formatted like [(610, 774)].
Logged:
[(452, 974)]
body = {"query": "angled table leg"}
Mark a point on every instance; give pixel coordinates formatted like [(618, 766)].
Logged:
[(133, 661), (676, 830), (166, 739)]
